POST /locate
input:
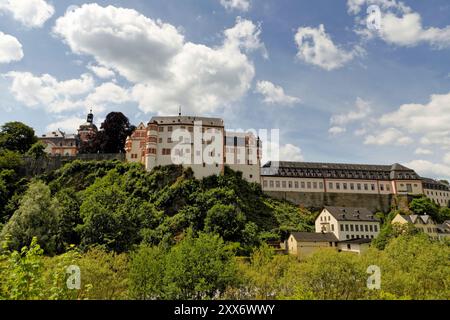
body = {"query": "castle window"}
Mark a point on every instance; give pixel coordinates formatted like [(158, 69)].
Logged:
[(330, 185), (315, 185), (308, 185), (320, 185), (284, 184), (296, 184), (358, 186), (303, 184), (161, 129)]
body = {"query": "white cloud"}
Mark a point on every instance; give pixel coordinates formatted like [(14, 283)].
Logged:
[(274, 152), (108, 93), (316, 47), (59, 96), (400, 25), (363, 109), (242, 5), (10, 49), (45, 90), (166, 70), (68, 125), (430, 169), (336, 130), (422, 118), (447, 158), (390, 136), (31, 13), (275, 94), (423, 151), (101, 72)]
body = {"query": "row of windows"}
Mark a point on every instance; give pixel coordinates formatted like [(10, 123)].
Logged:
[(320, 185), (441, 194), (353, 236), (359, 228), (190, 129)]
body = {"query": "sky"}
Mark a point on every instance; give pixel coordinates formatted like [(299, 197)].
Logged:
[(338, 88)]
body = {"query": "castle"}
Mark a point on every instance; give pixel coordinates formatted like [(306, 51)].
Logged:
[(306, 184), (204, 145)]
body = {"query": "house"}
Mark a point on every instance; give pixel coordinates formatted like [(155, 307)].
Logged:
[(348, 223), (58, 143), (444, 230), (354, 245), (423, 223), (303, 244)]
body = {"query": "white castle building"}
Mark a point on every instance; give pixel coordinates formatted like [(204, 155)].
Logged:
[(197, 142)]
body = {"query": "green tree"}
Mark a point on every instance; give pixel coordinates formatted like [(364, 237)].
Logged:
[(424, 205), (114, 132), (37, 216), (198, 267), (37, 151), (225, 220), (329, 275), (21, 273), (10, 160), (16, 136), (146, 275)]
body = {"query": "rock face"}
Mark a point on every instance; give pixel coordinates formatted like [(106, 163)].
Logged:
[(319, 200)]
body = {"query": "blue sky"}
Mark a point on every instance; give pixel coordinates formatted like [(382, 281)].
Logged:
[(338, 91)]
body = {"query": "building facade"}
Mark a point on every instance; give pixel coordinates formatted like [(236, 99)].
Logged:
[(58, 143), (340, 178), (437, 191), (348, 223), (423, 223), (200, 143)]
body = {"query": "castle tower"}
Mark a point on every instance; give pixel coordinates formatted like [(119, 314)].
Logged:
[(151, 146)]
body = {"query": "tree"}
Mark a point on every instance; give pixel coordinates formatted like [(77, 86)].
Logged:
[(37, 216), (146, 276), (37, 151), (10, 160), (225, 220), (424, 205), (16, 136), (114, 132), (198, 267)]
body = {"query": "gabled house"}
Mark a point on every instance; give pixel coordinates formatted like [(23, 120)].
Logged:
[(423, 223)]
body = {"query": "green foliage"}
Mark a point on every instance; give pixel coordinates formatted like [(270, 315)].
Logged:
[(37, 216), (16, 136), (37, 151), (21, 273), (425, 205), (10, 160), (195, 268)]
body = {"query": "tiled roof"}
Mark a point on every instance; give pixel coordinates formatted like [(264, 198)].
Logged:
[(314, 237), (357, 241), (352, 214), (413, 218), (187, 120), (434, 184), (338, 171)]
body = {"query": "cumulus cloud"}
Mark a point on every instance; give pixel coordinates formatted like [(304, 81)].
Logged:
[(363, 109), (68, 125), (400, 25), (275, 95), (273, 151), (336, 130), (390, 136), (45, 90), (166, 71), (430, 169), (316, 47), (101, 72), (31, 13), (422, 118), (56, 96), (423, 151), (10, 49), (242, 5)]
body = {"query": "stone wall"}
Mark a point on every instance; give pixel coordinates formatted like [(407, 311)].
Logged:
[(32, 167), (318, 200)]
